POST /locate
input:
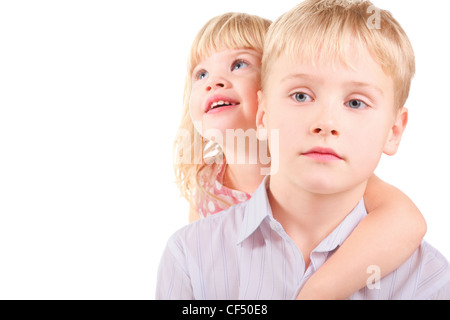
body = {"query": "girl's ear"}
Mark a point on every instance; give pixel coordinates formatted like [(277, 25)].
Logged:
[(261, 131), (396, 132)]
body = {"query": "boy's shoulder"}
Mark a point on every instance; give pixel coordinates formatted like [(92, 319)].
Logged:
[(434, 279), (424, 275), (225, 223)]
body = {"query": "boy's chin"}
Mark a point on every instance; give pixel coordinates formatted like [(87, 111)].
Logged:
[(322, 188), (324, 184), (329, 185)]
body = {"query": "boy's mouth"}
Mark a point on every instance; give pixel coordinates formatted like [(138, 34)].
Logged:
[(322, 154), (217, 102)]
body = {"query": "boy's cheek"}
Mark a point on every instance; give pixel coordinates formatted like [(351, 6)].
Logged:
[(364, 156)]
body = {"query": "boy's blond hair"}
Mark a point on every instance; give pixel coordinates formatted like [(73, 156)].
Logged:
[(228, 31), (320, 30)]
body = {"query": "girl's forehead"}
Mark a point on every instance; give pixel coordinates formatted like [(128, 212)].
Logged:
[(226, 51)]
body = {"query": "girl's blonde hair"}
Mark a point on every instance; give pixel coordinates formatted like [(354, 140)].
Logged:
[(227, 31), (322, 29)]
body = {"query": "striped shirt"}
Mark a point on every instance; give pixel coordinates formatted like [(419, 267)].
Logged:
[(244, 253)]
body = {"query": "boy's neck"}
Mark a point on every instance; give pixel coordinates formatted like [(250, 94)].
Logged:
[(243, 177), (246, 170), (308, 218)]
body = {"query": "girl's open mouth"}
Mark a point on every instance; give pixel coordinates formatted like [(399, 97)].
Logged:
[(219, 103)]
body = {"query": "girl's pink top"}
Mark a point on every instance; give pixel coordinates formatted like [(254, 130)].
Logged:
[(211, 179)]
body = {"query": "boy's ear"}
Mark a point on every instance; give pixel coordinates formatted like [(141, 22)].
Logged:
[(396, 132), (261, 131)]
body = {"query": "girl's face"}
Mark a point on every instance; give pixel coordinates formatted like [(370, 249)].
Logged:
[(224, 92)]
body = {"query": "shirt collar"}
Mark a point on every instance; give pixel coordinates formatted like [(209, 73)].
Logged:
[(258, 209), (343, 230)]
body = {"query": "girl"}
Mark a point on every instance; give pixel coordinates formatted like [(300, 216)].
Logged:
[(221, 96)]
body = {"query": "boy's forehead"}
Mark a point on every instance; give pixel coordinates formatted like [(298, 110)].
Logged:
[(353, 58), (357, 69)]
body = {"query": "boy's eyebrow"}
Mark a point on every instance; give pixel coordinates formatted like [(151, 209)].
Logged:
[(294, 76), (304, 76), (365, 85)]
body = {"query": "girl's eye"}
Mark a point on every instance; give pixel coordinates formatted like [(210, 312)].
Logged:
[(239, 64), (301, 97), (202, 74), (356, 104)]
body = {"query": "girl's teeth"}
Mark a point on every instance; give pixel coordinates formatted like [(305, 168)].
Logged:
[(220, 103)]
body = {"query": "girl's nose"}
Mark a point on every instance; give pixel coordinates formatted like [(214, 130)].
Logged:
[(216, 83)]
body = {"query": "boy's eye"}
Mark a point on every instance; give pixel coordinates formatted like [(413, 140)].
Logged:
[(202, 74), (356, 104), (239, 64), (301, 97)]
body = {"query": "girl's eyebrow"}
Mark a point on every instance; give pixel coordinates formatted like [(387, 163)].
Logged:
[(247, 51)]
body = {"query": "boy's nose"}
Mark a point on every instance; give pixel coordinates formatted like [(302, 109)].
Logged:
[(324, 131), (325, 126), (326, 120)]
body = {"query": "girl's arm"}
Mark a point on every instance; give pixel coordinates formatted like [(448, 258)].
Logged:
[(385, 238)]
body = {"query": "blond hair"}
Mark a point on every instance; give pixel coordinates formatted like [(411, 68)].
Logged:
[(321, 29), (227, 31)]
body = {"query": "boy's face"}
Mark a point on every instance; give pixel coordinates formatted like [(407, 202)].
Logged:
[(334, 122), (224, 91)]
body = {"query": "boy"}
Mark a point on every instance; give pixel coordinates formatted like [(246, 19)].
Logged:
[(334, 89)]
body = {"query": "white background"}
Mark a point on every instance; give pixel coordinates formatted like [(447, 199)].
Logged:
[(90, 101)]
